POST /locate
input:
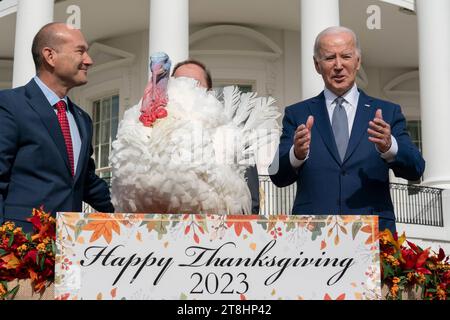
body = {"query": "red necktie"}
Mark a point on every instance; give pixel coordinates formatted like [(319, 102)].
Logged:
[(65, 128)]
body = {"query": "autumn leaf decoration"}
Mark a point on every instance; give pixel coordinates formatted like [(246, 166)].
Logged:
[(240, 222), (372, 231), (102, 225), (328, 297), (196, 225), (337, 227)]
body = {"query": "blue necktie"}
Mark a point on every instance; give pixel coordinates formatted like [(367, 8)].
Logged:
[(339, 123)]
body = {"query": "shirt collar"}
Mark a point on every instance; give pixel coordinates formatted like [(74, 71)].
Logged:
[(351, 96), (51, 96)]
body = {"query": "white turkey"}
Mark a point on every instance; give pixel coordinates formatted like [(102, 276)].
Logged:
[(181, 150)]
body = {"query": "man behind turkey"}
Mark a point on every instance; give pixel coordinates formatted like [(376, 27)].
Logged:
[(196, 70)]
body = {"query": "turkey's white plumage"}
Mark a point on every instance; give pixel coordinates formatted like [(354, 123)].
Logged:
[(194, 159)]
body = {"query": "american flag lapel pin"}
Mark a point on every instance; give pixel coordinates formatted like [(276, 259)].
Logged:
[(367, 105)]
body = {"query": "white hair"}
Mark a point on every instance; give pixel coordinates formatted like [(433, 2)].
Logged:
[(335, 30)]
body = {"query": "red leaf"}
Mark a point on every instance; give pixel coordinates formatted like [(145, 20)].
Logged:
[(242, 297), (341, 297), (327, 297), (422, 258), (413, 246), (113, 292), (201, 230), (323, 245), (196, 239), (441, 254), (188, 228)]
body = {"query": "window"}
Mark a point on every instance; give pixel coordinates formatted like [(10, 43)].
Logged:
[(414, 129), (106, 118), (243, 87)]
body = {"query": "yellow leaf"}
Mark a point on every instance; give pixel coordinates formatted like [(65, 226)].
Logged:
[(166, 244), (253, 246), (11, 261), (401, 240), (273, 292), (358, 296), (100, 296)]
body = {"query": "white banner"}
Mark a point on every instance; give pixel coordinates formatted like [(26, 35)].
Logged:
[(154, 256)]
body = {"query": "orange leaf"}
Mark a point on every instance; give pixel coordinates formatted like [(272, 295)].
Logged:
[(102, 227), (113, 292), (100, 296), (33, 275), (242, 297), (367, 228), (344, 231), (336, 240), (369, 240), (139, 236), (330, 232)]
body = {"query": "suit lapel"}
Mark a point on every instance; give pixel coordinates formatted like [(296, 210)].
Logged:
[(77, 114), (40, 104), (364, 113), (322, 123)]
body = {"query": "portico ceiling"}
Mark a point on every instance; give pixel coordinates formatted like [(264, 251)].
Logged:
[(394, 45)]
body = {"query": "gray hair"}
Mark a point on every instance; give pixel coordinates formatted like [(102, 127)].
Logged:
[(335, 30)]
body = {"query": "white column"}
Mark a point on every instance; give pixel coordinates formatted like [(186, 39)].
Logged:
[(433, 20), (31, 16), (315, 16), (169, 28)]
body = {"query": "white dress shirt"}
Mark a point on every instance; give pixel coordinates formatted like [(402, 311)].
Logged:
[(53, 98), (350, 104)]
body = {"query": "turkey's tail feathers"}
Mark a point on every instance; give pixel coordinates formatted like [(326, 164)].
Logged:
[(255, 117)]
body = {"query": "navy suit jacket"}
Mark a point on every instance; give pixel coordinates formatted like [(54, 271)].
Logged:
[(34, 166), (360, 183)]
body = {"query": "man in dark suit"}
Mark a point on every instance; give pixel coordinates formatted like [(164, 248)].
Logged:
[(197, 70), (340, 145), (45, 139)]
